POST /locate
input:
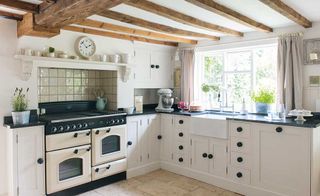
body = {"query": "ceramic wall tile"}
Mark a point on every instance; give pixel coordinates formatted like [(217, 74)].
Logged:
[(53, 72)]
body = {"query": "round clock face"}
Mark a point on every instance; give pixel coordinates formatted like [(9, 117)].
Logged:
[(85, 47)]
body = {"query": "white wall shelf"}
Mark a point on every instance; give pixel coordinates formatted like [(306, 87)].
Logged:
[(29, 62)]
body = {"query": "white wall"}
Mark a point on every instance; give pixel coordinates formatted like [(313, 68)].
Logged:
[(10, 71), (310, 94)]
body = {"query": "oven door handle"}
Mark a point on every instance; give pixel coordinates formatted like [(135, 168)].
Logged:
[(76, 151), (86, 133)]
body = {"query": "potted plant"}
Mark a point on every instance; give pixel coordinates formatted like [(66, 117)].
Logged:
[(20, 114), (263, 99)]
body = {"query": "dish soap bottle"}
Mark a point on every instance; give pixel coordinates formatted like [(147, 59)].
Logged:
[(243, 110)]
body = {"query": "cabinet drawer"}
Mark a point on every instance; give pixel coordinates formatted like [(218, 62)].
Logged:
[(65, 140), (108, 169), (181, 135), (181, 159), (180, 147), (240, 160), (238, 129), (240, 145), (181, 123), (239, 175)]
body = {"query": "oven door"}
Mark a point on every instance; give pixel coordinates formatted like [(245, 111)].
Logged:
[(108, 144), (68, 168)]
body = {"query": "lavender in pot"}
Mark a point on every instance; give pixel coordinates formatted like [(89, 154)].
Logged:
[(20, 114)]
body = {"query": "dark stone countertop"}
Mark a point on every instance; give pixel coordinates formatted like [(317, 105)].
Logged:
[(34, 121)]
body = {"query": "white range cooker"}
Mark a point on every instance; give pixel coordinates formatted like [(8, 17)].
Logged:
[(85, 149)]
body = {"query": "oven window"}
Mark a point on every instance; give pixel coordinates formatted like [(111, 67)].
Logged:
[(110, 144), (70, 168)]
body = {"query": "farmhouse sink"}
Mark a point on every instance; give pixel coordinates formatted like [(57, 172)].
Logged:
[(210, 125)]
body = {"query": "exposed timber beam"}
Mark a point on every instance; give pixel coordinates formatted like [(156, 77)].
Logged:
[(230, 14), (134, 31), (180, 17), (117, 36), (9, 15), (153, 26), (288, 12), (21, 5)]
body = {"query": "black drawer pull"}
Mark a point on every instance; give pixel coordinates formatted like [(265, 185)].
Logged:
[(157, 66), (279, 129), (96, 170), (97, 132), (129, 143), (210, 156), (180, 160), (108, 167), (89, 149), (159, 137), (40, 161), (180, 147), (239, 144), (108, 130), (87, 134), (75, 135), (239, 129), (76, 151), (239, 175), (152, 66), (180, 122), (180, 134), (240, 159), (204, 155)]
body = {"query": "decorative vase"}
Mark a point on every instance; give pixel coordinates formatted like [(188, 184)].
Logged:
[(20, 118), (262, 108), (101, 104)]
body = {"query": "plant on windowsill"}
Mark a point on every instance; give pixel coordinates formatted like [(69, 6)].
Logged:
[(263, 99), (209, 88), (20, 114)]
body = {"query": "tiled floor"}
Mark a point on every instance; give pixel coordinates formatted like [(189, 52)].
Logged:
[(160, 183)]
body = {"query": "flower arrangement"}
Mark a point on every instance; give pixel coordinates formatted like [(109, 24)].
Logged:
[(20, 101)]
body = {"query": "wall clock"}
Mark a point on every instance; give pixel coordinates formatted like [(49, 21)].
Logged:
[(85, 47)]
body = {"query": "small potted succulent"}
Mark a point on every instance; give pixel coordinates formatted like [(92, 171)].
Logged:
[(263, 99), (20, 114)]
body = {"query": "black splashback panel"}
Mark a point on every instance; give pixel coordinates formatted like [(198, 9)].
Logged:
[(67, 106)]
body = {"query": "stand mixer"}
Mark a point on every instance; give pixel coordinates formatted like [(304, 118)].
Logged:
[(165, 100)]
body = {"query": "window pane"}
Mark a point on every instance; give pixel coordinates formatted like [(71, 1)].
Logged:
[(213, 69), (239, 61), (238, 87)]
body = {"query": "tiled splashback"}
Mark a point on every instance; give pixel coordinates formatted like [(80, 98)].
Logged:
[(56, 84), (150, 96)]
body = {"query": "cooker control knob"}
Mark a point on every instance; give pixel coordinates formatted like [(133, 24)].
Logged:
[(67, 128), (73, 127), (85, 125), (122, 121), (117, 121), (54, 129), (60, 128), (79, 126), (111, 122)]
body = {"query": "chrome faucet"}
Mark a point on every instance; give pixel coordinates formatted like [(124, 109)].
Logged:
[(226, 106)]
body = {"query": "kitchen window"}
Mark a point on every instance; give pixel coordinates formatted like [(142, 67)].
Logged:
[(236, 73)]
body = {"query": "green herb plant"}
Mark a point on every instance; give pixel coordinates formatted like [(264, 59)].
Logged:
[(264, 95), (51, 49), (206, 88), (20, 101)]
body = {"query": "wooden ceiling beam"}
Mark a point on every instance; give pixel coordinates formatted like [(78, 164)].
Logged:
[(180, 17), (21, 5), (46, 4), (134, 31), (288, 12), (9, 15), (153, 26), (230, 14), (118, 36), (66, 12)]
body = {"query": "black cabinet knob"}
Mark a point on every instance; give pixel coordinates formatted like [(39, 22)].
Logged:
[(204, 155), (180, 159), (240, 159), (97, 132), (180, 147), (210, 156), (239, 129), (279, 129), (239, 175), (157, 66), (108, 167), (152, 66), (239, 144), (89, 149), (129, 143), (180, 122), (40, 161), (76, 151), (180, 134), (75, 135), (159, 137), (96, 170)]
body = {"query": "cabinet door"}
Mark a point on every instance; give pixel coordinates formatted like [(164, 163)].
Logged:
[(218, 157), (31, 167), (281, 159), (143, 140), (166, 153), (199, 154), (133, 125), (161, 74), (142, 69), (153, 140)]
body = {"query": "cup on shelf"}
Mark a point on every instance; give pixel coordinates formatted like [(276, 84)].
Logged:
[(125, 58), (114, 58), (38, 53), (28, 52), (104, 58)]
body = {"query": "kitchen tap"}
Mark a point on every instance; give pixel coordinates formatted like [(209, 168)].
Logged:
[(226, 105)]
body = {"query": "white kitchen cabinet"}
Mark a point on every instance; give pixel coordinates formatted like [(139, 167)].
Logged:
[(281, 159), (152, 69), (26, 161), (209, 155), (143, 140), (167, 128)]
